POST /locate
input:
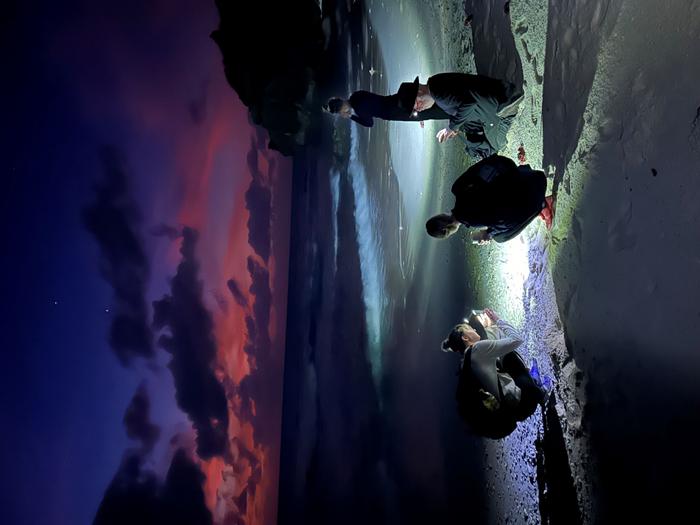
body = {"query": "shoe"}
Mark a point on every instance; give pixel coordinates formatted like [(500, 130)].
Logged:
[(544, 382), (547, 384), (511, 108), (547, 212), (535, 371)]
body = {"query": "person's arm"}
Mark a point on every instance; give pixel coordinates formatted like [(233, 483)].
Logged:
[(508, 329), (464, 115), (452, 92), (502, 347), (481, 236), (367, 122), (506, 234)]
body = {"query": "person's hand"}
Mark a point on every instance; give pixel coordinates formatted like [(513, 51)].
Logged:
[(485, 320), (481, 237), (491, 314), (445, 134)]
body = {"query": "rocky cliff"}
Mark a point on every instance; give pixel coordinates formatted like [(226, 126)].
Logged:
[(271, 53)]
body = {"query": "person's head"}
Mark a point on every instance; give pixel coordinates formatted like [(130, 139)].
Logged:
[(460, 338), (339, 106), (441, 226), (424, 100)]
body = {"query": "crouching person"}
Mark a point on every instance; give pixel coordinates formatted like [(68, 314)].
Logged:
[(497, 199), (496, 389)]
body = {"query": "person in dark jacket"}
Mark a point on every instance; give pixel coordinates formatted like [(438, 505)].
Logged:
[(495, 389), (498, 199), (364, 106), (483, 108)]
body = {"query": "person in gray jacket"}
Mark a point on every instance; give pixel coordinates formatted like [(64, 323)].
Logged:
[(496, 389)]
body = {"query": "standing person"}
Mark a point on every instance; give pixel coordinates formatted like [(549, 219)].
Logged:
[(482, 107), (497, 198), (364, 106), (495, 390)]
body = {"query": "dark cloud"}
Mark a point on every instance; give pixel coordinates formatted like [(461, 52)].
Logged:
[(251, 327), (252, 158), (258, 201), (137, 420), (114, 220), (236, 292), (254, 389), (260, 288), (136, 496), (165, 230), (190, 342)]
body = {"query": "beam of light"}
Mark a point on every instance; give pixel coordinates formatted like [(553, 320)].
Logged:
[(410, 151), (402, 39), (512, 269), (371, 255)]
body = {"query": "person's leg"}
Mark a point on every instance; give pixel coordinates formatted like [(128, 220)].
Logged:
[(531, 395), (547, 213), (504, 124), (511, 107)]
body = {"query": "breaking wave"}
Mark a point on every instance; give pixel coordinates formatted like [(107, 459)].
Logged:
[(371, 254)]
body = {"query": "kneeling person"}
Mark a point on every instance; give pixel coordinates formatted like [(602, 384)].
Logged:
[(496, 389)]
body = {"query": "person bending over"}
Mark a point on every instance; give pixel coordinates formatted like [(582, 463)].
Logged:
[(482, 107), (496, 198)]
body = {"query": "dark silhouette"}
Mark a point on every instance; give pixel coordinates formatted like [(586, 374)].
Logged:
[(498, 197)]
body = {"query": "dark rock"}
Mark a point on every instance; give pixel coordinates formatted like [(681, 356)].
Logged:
[(558, 501), (271, 52)]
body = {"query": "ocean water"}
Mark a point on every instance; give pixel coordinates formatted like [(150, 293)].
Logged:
[(371, 252)]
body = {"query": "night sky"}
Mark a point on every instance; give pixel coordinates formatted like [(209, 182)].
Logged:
[(143, 223)]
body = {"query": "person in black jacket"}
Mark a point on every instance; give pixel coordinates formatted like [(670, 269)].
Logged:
[(364, 106), (498, 199), (483, 108)]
